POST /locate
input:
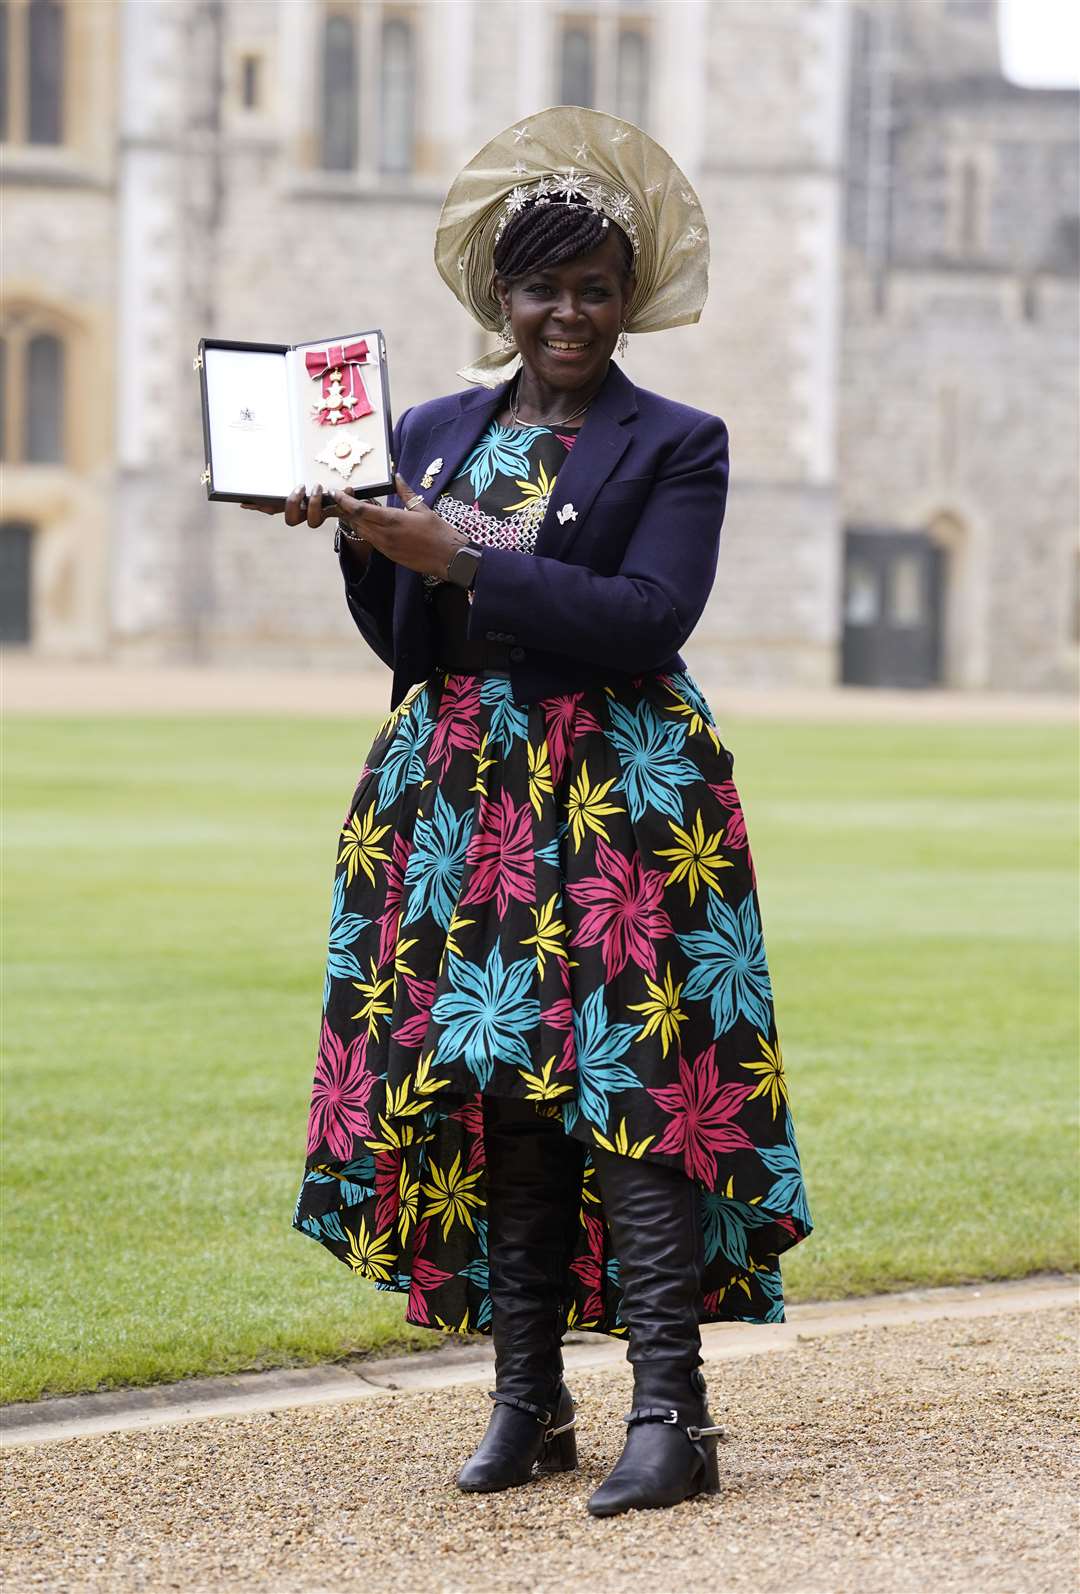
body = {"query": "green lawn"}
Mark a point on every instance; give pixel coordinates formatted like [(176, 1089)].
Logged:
[(167, 888)]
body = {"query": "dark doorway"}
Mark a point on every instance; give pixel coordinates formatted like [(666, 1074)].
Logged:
[(893, 604), (16, 556)]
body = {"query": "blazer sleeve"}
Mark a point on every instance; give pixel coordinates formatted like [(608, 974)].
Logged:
[(370, 596), (636, 619)]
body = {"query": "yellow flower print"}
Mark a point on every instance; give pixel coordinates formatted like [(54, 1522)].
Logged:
[(541, 1086), (534, 491), (696, 721), (662, 1011), (373, 1008), (451, 1194), (587, 807), (550, 932), (456, 923), (369, 1254), (483, 764), (395, 1137), (408, 1199), (539, 777), (409, 1098), (360, 846), (773, 1082), (696, 856), (622, 1143)]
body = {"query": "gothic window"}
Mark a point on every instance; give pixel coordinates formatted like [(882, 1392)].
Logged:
[(576, 71), (31, 393), (43, 442), (398, 92), (632, 78), (16, 556), (46, 76), (339, 96), (32, 71)]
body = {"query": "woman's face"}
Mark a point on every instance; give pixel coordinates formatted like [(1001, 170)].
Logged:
[(566, 318)]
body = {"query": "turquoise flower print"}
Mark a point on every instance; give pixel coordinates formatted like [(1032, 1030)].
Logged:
[(599, 1045), (403, 762), (788, 1194), (654, 768), (341, 961), (729, 965), (506, 720), (433, 873), (725, 1224), (503, 450), (487, 1013)]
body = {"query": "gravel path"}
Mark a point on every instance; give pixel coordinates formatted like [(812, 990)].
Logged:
[(934, 1455)]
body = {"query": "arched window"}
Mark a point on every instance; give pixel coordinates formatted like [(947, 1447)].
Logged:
[(339, 97), (45, 44), (632, 78), (576, 74), (44, 412), (398, 78)]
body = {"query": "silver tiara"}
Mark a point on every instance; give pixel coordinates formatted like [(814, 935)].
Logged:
[(572, 187)]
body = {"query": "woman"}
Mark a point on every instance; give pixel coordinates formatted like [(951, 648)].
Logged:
[(549, 1091)]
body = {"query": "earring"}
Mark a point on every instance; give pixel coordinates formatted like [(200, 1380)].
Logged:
[(624, 343), (506, 337)]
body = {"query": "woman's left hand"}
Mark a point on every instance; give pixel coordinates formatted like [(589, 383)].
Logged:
[(417, 538)]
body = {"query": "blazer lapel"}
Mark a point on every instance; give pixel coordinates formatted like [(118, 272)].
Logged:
[(449, 443), (601, 443)]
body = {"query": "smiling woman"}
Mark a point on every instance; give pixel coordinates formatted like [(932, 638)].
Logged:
[(549, 1090)]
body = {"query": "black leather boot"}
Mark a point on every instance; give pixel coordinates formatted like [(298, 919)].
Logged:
[(534, 1191), (670, 1451)]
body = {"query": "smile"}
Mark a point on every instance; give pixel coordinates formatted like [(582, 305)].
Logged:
[(562, 345)]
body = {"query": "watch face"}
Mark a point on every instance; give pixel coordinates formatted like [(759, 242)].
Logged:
[(463, 567)]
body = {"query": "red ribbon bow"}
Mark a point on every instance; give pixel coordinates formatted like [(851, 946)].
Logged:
[(341, 358)]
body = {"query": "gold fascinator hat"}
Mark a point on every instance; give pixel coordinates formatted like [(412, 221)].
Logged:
[(571, 154)]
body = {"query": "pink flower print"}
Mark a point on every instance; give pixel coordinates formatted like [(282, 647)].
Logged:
[(565, 721), (458, 723), (501, 854), (414, 1029), (590, 1268), (339, 1095), (703, 1110), (471, 1118), (560, 1015), (425, 1277), (624, 914), (395, 881), (387, 1189), (735, 836)]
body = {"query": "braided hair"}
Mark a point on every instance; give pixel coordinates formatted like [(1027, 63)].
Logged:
[(546, 234)]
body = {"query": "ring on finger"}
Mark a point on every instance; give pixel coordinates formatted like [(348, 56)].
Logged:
[(411, 503)]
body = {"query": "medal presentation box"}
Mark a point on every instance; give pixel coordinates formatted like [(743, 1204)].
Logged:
[(276, 415)]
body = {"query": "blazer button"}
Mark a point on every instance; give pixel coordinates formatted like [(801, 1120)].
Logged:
[(516, 655), (491, 636)]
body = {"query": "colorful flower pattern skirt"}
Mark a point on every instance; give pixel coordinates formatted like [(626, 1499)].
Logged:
[(557, 903)]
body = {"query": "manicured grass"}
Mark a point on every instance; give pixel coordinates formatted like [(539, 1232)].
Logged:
[(167, 891)]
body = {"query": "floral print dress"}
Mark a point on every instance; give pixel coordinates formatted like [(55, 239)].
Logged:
[(555, 902)]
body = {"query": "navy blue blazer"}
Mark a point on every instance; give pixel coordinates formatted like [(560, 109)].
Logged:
[(615, 586)]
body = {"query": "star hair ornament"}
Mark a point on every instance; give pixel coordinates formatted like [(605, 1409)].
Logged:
[(571, 155)]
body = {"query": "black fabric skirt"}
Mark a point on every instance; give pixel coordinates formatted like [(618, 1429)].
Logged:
[(556, 903)]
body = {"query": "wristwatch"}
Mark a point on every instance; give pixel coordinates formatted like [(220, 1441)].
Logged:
[(464, 563)]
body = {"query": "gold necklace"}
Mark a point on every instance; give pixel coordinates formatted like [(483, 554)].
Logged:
[(516, 418)]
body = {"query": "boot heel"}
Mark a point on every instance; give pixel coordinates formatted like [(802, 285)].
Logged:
[(559, 1453), (712, 1473)]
